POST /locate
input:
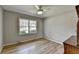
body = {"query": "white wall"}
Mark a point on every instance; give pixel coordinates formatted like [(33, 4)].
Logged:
[(11, 35), (61, 26), (1, 32)]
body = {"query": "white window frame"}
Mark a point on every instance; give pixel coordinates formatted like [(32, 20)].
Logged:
[(29, 32)]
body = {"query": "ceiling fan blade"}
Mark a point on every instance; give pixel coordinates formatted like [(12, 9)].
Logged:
[(37, 7), (45, 10)]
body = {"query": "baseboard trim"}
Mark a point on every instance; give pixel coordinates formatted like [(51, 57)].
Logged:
[(57, 41), (21, 42), (54, 40), (9, 44), (31, 41)]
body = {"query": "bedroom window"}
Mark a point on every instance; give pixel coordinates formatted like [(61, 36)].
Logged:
[(33, 26), (27, 26)]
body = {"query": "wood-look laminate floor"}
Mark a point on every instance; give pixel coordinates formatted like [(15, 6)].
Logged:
[(40, 46)]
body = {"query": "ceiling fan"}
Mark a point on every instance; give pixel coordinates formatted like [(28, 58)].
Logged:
[(40, 9)]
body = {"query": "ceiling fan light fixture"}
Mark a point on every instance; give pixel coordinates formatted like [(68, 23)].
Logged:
[(39, 12)]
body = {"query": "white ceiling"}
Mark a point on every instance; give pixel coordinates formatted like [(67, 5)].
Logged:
[(31, 10)]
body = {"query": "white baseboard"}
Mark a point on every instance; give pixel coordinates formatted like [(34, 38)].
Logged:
[(57, 41), (32, 39), (54, 40), (11, 43)]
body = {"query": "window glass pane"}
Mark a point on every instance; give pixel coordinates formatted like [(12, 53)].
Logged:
[(23, 26), (23, 22), (33, 23), (24, 30), (33, 30)]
